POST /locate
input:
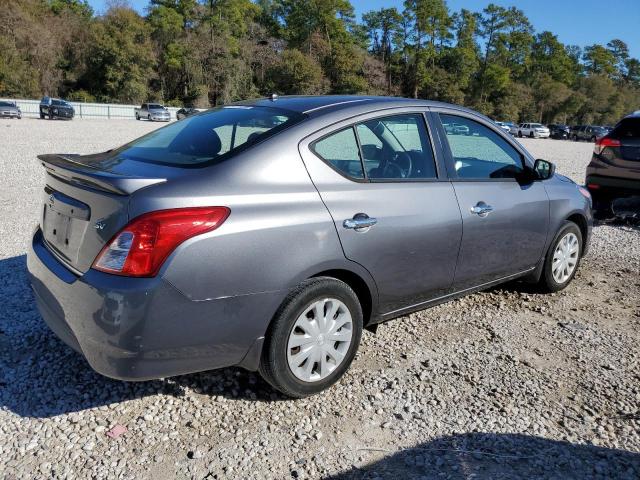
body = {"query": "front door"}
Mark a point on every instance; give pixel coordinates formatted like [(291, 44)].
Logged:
[(394, 214), (504, 221)]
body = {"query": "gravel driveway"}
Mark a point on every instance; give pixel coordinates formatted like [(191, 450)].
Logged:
[(502, 384)]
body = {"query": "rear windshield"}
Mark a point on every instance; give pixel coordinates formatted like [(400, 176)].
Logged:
[(208, 137), (627, 128)]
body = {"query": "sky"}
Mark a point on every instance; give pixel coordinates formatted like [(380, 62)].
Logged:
[(575, 22)]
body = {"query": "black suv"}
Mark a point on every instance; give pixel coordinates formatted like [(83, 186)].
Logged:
[(56, 108), (559, 131), (588, 132), (614, 171)]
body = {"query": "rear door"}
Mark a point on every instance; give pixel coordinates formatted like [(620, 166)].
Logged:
[(394, 209), (505, 222)]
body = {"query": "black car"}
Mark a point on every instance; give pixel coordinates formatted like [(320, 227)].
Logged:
[(559, 131), (186, 112), (56, 108)]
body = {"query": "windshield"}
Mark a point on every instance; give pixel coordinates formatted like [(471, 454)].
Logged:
[(155, 106), (6, 104), (537, 125), (208, 137), (59, 102)]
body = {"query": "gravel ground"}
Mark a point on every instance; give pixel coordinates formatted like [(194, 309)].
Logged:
[(502, 384)]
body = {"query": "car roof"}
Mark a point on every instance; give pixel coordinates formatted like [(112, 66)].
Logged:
[(323, 104)]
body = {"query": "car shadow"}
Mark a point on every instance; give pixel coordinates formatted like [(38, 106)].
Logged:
[(499, 456), (42, 377)]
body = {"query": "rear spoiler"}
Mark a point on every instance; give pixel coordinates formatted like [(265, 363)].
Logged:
[(66, 168)]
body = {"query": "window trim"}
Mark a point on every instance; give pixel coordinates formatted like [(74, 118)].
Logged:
[(448, 154), (355, 122)]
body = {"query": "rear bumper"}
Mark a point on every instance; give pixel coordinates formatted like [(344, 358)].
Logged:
[(143, 328), (612, 186)]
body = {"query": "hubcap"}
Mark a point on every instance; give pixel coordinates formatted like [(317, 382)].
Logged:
[(319, 340), (565, 257)]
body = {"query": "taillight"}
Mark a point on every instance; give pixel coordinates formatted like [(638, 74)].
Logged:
[(603, 143), (141, 247)]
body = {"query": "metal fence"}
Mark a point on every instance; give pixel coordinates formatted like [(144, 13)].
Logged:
[(31, 108)]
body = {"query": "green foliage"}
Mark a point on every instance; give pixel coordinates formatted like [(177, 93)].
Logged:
[(208, 52), (297, 74)]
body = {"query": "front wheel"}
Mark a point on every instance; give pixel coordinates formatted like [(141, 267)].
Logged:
[(313, 337), (562, 259), (519, 134), (531, 135)]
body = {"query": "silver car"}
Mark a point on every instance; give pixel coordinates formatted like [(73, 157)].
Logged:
[(268, 234), (9, 110)]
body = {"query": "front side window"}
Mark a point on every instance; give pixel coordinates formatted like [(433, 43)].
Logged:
[(482, 153), (340, 150), (208, 138), (396, 147)]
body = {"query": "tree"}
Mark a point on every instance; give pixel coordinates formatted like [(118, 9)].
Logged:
[(598, 60), (122, 59), (297, 74)]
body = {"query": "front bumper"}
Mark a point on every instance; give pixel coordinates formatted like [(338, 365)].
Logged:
[(144, 328), (10, 114), (160, 118), (541, 134)]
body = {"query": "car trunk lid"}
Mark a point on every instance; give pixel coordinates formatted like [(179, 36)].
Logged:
[(85, 203)]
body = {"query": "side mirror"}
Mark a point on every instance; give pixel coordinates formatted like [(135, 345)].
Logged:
[(544, 169)]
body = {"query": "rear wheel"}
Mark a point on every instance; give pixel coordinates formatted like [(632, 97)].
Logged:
[(149, 117), (519, 134), (137, 117), (563, 258), (313, 338)]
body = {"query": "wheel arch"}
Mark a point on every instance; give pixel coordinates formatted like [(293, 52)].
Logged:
[(359, 286), (580, 220)]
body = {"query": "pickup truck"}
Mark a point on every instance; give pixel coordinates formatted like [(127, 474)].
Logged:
[(533, 130), (153, 112)]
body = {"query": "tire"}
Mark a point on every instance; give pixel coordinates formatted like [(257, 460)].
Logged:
[(50, 115), (41, 116), (519, 134), (137, 117), (548, 281), (592, 139), (149, 117), (531, 135), (277, 353), (601, 205)]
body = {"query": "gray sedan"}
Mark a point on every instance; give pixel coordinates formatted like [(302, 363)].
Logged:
[(10, 110), (268, 234)]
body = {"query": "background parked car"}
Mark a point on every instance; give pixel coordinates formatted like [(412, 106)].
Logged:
[(185, 112), (153, 112), (456, 129), (503, 126), (614, 171), (9, 110), (559, 131), (56, 108), (588, 132), (533, 130)]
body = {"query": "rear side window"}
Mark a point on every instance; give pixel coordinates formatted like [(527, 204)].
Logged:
[(209, 137), (340, 150), (627, 128), (480, 153)]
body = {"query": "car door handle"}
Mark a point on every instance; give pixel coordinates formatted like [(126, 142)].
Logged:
[(482, 209), (360, 222)]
